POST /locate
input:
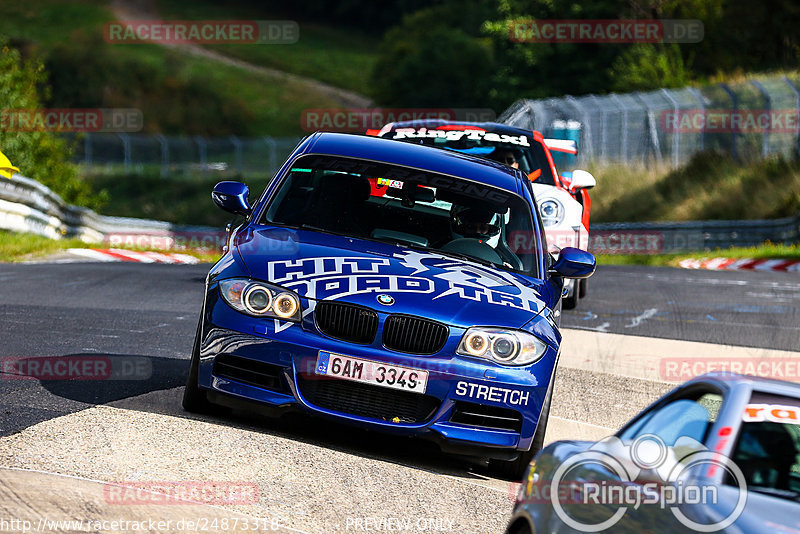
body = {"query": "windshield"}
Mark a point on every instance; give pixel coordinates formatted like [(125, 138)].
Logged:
[(409, 207), (519, 151), (768, 447)]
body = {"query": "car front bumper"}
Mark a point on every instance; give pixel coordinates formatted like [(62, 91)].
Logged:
[(469, 406)]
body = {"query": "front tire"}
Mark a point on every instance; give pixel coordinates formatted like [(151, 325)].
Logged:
[(584, 287), (195, 399), (570, 302), (515, 469)]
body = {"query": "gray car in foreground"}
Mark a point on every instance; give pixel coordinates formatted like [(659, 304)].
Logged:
[(720, 453)]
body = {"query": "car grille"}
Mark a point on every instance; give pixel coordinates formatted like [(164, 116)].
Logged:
[(347, 322), (365, 400), (468, 413), (405, 333), (254, 373)]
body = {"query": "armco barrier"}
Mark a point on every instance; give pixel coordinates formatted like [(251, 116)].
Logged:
[(28, 206), (626, 238)]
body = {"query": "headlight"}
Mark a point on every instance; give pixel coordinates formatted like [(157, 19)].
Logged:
[(260, 299), (552, 212), (509, 347)]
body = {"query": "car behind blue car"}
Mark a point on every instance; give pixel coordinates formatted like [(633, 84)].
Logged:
[(392, 286), (720, 453)]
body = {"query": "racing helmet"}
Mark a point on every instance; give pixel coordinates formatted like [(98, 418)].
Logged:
[(473, 222)]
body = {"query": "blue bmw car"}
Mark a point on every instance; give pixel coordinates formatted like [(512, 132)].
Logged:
[(391, 286)]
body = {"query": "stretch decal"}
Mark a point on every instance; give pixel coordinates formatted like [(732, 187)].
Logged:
[(514, 397)]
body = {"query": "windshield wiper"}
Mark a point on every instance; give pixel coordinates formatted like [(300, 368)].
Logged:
[(318, 229), (467, 257)]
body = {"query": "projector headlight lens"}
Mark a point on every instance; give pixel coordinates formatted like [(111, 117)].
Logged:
[(504, 346), (260, 299), (552, 212)]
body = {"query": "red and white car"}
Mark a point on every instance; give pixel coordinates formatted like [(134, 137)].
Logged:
[(563, 201)]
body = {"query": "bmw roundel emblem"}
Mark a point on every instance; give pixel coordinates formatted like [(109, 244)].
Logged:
[(386, 300)]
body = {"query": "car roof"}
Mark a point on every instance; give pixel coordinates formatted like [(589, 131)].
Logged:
[(757, 383), (416, 156), (493, 127)]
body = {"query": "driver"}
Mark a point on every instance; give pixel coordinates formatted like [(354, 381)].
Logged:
[(472, 222), (505, 155)]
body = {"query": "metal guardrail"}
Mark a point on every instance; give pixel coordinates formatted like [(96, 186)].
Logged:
[(30, 207), (692, 235), (177, 156)]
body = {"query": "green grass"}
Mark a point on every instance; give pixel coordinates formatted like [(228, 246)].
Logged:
[(176, 92), (16, 247), (710, 186), (337, 56), (49, 22), (765, 251)]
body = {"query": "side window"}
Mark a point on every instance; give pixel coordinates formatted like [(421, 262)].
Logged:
[(681, 417), (767, 449)]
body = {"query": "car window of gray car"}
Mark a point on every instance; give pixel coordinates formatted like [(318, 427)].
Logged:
[(679, 418), (767, 447)]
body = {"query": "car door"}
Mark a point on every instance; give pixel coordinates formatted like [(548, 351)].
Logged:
[(662, 443)]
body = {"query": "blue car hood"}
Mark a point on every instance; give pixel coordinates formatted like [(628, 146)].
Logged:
[(322, 266)]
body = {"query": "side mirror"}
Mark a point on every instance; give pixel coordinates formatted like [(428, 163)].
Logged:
[(582, 180), (232, 197), (574, 263)]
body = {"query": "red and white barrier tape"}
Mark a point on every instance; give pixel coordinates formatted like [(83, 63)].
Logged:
[(118, 254), (742, 264)]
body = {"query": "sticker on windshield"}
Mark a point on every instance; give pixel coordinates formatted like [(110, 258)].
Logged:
[(457, 135), (396, 184), (774, 413)]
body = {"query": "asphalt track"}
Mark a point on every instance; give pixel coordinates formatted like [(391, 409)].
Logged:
[(115, 430), (743, 308)]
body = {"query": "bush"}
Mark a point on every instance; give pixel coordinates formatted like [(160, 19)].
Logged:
[(40, 155)]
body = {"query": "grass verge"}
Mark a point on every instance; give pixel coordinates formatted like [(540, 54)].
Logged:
[(710, 186), (176, 92), (342, 57), (15, 247)]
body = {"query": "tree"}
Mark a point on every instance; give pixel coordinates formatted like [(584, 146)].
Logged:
[(39, 154)]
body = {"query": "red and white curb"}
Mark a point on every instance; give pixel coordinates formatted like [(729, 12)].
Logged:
[(742, 264), (118, 254)]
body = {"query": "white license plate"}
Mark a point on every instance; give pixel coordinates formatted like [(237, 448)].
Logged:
[(369, 372)]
